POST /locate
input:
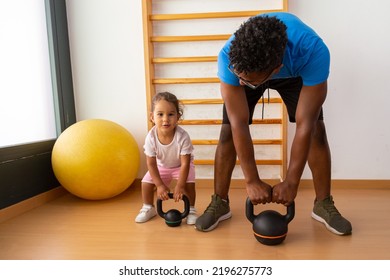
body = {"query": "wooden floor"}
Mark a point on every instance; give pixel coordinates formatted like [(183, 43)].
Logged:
[(70, 228)]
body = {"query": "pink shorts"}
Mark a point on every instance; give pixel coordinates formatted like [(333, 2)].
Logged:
[(168, 174)]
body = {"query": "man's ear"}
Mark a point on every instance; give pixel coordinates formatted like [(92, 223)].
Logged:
[(276, 71)]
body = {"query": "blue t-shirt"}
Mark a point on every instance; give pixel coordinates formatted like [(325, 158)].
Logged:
[(306, 55)]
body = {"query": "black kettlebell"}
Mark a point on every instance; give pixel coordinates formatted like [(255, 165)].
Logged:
[(173, 217), (270, 227)]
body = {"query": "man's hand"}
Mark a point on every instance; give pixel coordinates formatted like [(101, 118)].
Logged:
[(259, 192), (284, 193)]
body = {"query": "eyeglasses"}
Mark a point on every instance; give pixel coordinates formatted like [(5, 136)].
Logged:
[(251, 86)]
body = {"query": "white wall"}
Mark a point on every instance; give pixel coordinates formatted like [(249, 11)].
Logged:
[(106, 41), (356, 110), (108, 66)]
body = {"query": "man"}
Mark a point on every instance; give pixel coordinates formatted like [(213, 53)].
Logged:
[(277, 51)]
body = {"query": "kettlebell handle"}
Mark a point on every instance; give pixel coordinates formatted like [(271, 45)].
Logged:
[(251, 216), (186, 206)]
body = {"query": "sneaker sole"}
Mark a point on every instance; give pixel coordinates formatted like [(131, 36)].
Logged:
[(144, 221), (321, 220), (190, 223), (220, 219)]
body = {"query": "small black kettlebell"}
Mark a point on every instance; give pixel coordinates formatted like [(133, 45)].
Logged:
[(270, 227), (173, 217)]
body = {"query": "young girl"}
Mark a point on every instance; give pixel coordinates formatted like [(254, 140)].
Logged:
[(168, 151)]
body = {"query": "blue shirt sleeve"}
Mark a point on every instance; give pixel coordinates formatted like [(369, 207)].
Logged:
[(316, 70), (306, 54), (224, 74)]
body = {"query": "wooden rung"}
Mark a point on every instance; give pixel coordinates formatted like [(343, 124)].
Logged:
[(213, 122), (254, 141), (205, 142), (185, 80), (220, 101), (184, 59), (267, 142), (258, 162), (192, 38), (200, 122), (209, 15), (201, 101)]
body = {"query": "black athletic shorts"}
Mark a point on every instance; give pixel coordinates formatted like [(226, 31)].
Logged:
[(288, 89)]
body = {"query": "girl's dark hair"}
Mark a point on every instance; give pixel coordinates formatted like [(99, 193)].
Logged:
[(258, 45), (169, 97)]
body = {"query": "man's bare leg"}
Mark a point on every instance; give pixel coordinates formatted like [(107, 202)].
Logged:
[(225, 160)]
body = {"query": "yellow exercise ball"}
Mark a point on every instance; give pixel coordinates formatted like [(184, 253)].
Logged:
[(95, 159)]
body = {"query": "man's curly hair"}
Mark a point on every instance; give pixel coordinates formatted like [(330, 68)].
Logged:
[(258, 45)]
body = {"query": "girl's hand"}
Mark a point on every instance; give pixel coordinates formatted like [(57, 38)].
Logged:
[(162, 192), (178, 194)]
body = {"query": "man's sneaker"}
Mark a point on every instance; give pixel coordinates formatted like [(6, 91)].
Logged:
[(325, 212), (218, 210), (192, 217), (145, 214)]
